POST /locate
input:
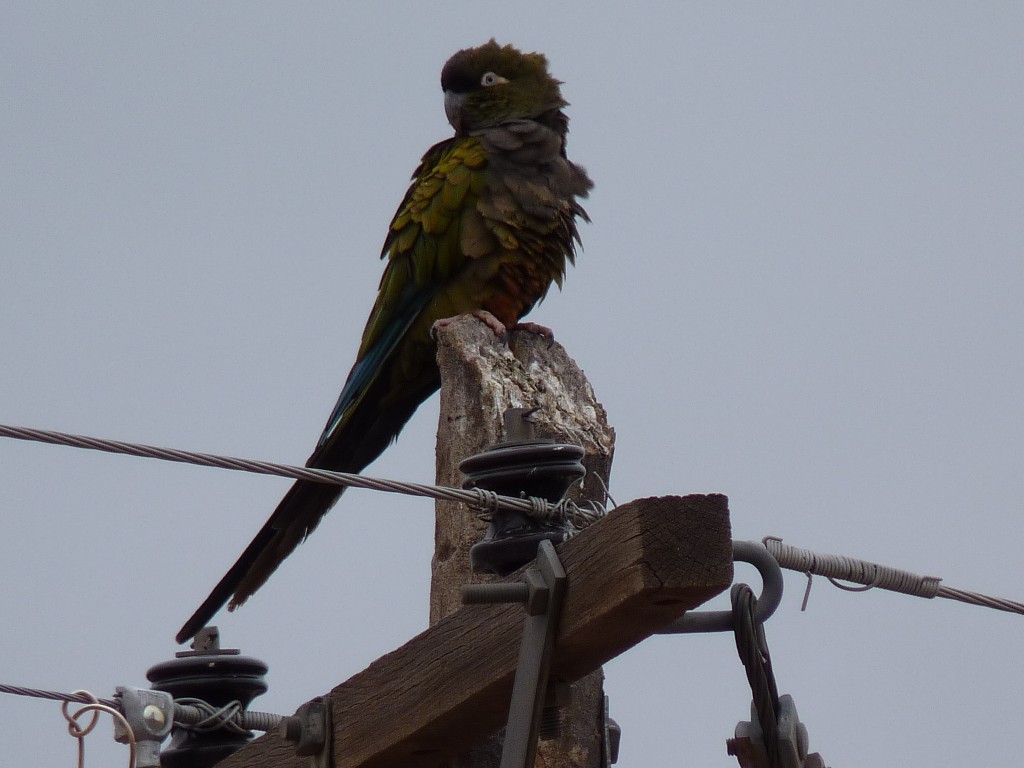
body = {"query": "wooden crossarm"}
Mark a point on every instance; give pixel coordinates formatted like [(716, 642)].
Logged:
[(629, 575)]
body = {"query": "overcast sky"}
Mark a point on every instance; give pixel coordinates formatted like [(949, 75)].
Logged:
[(802, 288)]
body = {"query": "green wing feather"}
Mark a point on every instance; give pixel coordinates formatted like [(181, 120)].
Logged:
[(424, 253)]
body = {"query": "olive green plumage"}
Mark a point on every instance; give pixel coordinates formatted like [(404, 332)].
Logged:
[(488, 224)]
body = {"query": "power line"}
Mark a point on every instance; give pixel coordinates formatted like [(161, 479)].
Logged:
[(476, 498), (870, 575), (37, 693), (805, 561), (188, 712)]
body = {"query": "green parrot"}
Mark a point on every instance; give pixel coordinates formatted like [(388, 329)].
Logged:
[(486, 227)]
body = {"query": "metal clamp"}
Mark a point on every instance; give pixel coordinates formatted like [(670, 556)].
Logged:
[(748, 745), (150, 715), (541, 593), (752, 552)]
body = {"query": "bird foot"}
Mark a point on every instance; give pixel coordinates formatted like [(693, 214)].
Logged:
[(492, 322), (537, 328), (499, 328), (482, 315)]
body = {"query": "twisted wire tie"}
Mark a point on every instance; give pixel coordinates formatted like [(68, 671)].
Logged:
[(93, 706), (488, 502), (197, 715), (869, 575), (565, 510), (473, 497)]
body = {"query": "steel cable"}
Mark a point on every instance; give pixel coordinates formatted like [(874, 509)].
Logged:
[(870, 575), (476, 498)]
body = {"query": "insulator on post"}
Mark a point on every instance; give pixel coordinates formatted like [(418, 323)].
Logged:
[(218, 676), (521, 465)]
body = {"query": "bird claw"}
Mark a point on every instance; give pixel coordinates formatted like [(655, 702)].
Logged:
[(483, 316), (537, 328), (500, 329), (493, 323)]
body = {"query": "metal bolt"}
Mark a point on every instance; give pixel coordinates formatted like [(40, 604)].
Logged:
[(308, 729), (207, 639), (557, 697), (512, 592), (532, 592), (537, 592), (290, 728), (550, 723), (154, 717)]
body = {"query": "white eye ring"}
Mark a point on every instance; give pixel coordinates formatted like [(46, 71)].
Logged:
[(491, 78)]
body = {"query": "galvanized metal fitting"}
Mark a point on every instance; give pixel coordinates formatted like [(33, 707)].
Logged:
[(150, 715), (532, 592), (749, 748), (310, 730)]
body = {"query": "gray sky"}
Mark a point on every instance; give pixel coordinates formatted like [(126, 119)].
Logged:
[(802, 288)]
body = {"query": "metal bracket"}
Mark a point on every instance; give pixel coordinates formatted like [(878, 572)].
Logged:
[(774, 737), (752, 552), (611, 737), (150, 714), (310, 729), (748, 745), (778, 739), (541, 592)]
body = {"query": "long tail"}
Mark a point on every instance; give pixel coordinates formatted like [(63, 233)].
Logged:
[(366, 431), (383, 390), (296, 516)]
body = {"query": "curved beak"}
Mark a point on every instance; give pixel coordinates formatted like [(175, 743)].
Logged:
[(453, 108)]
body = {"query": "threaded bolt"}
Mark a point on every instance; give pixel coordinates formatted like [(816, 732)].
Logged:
[(550, 722), (290, 728), (513, 592), (557, 697)]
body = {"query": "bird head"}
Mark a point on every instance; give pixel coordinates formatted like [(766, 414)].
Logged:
[(488, 85)]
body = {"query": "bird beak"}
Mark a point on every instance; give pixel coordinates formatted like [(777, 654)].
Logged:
[(453, 108)]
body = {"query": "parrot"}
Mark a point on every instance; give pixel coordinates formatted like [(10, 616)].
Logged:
[(487, 225)]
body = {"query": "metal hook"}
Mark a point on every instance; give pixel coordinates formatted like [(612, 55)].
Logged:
[(757, 555)]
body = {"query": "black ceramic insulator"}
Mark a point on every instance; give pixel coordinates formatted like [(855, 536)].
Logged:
[(217, 676), (541, 468), (522, 465)]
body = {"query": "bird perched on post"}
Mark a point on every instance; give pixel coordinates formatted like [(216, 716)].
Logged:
[(486, 227)]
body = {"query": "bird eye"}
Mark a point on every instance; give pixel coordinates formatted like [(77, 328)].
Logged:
[(490, 78)]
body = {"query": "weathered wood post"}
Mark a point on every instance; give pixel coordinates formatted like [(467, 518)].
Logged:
[(482, 377)]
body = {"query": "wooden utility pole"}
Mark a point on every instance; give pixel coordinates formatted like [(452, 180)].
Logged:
[(439, 697), (482, 377)]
